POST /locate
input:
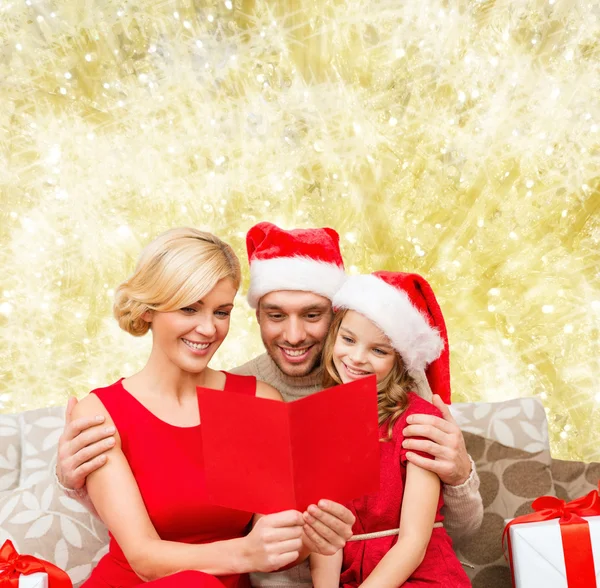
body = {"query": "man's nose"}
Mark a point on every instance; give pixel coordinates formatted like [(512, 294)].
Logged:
[(295, 332)]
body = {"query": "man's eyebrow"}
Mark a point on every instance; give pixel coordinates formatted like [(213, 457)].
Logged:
[(321, 307), (270, 307)]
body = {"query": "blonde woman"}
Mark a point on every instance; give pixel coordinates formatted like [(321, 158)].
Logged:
[(389, 325), (150, 493)]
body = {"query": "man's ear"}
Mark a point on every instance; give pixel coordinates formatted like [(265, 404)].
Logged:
[(258, 315)]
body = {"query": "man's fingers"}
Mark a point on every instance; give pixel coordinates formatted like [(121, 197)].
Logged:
[(92, 451), (443, 408), (431, 421), (86, 468), (91, 436), (75, 427), (435, 449), (428, 431), (431, 465)]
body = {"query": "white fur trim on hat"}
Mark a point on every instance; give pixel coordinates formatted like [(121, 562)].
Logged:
[(293, 273), (392, 311)]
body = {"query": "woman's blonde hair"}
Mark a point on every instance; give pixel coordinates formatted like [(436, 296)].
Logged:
[(175, 270), (392, 398)]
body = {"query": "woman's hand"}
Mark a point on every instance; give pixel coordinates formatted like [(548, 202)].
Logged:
[(328, 527), (274, 542)]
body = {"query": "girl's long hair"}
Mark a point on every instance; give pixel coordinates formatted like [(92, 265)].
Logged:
[(392, 391)]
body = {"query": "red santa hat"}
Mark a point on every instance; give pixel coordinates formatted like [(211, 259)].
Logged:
[(404, 307), (301, 259)]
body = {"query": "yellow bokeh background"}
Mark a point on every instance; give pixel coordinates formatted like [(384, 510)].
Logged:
[(457, 139)]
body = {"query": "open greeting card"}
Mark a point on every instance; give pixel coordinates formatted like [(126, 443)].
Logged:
[(266, 456)]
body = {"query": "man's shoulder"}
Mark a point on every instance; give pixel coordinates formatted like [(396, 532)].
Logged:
[(250, 368)]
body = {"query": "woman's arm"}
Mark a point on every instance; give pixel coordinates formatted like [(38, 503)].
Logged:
[(274, 542), (419, 505), (325, 569)]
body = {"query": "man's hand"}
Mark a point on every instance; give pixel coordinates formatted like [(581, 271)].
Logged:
[(81, 448), (444, 440), (328, 527)]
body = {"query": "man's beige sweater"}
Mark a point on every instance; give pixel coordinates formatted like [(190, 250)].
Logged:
[(463, 510)]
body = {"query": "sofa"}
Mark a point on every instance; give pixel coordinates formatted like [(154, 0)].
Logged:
[(507, 440)]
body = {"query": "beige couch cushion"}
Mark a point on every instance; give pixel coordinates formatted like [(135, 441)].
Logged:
[(510, 480), (519, 423), (573, 479), (10, 452), (40, 430)]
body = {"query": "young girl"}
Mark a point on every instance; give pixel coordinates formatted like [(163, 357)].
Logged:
[(151, 491), (389, 325)]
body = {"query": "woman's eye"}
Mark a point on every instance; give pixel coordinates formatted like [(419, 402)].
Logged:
[(222, 313), (188, 310)]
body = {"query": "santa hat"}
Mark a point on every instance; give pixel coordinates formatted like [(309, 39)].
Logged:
[(404, 307), (301, 259)]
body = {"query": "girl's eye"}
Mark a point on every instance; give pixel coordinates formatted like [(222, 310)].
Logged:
[(380, 351), (347, 339)]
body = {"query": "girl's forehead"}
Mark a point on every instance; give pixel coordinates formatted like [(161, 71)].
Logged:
[(363, 327)]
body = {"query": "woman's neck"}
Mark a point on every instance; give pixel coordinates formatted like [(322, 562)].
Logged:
[(161, 377)]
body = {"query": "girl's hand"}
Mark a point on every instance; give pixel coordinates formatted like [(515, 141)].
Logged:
[(328, 527), (274, 542)]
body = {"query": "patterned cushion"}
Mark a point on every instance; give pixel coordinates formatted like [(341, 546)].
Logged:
[(41, 521), (573, 479), (519, 423), (40, 430), (10, 452), (510, 480)]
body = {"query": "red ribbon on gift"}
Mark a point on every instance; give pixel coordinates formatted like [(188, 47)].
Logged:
[(13, 565), (575, 533)]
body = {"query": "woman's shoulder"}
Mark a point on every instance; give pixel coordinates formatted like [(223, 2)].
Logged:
[(92, 404)]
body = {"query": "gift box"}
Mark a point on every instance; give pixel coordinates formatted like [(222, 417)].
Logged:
[(35, 580), (26, 571), (558, 545)]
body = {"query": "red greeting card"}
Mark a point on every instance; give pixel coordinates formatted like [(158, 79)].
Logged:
[(266, 456)]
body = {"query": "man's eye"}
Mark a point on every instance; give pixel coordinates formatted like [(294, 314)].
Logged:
[(313, 316), (275, 317)]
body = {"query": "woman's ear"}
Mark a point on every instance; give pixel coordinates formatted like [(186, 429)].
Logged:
[(147, 316)]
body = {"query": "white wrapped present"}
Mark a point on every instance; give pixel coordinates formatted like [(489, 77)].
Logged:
[(36, 580), (558, 546)]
